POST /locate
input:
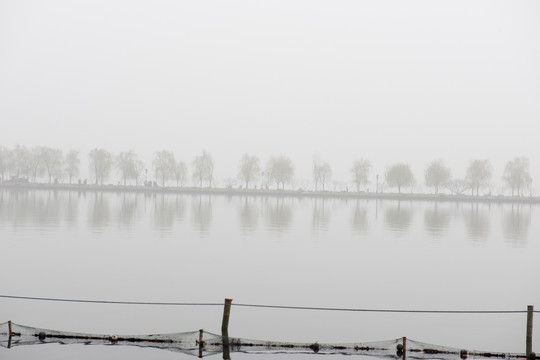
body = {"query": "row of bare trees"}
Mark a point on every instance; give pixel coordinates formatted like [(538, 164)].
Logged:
[(39, 162), (164, 165), (478, 176)]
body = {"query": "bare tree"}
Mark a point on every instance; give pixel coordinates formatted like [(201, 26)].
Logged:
[(399, 175), (164, 164), (360, 172), (72, 163), (317, 164), (280, 170), (249, 169), (203, 168), (37, 167), (52, 160), (100, 164), (180, 173), (458, 186), (140, 168), (5, 160), (478, 174), (322, 172), (126, 163), (516, 174), (325, 174), (437, 174), (21, 161)]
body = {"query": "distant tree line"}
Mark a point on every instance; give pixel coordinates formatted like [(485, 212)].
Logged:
[(53, 165)]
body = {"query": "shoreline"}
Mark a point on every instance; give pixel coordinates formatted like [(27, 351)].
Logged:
[(270, 192)]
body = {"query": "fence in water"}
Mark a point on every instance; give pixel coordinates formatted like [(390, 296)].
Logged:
[(202, 343)]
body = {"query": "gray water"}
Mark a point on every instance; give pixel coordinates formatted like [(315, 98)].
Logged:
[(296, 251)]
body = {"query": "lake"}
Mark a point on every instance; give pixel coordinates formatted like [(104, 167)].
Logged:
[(274, 250)]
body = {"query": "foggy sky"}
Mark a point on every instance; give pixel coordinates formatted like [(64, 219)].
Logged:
[(384, 80)]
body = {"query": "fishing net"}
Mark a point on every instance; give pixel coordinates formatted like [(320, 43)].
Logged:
[(380, 348), (202, 343), (4, 334), (421, 350), (185, 342)]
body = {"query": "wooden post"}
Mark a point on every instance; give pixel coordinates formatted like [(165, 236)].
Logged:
[(225, 329), (10, 334), (201, 344), (226, 316), (404, 348), (528, 348)]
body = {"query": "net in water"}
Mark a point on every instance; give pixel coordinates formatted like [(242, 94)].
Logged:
[(202, 343)]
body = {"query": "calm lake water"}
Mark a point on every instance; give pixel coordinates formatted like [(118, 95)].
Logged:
[(272, 250)]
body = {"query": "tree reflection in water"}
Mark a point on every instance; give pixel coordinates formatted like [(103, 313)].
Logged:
[(278, 214), (359, 219), (43, 209), (99, 214), (477, 222), (515, 224), (48, 209), (18, 206), (31, 207), (99, 211), (398, 218), (201, 213), (321, 215), (163, 212), (248, 213), (127, 209), (71, 209), (436, 219), (167, 209)]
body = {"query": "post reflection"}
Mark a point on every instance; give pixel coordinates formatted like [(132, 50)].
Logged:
[(515, 224), (398, 217), (436, 219)]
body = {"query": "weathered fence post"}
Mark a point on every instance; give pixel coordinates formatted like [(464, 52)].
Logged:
[(10, 334), (225, 329), (201, 344), (226, 316), (404, 348), (528, 349)]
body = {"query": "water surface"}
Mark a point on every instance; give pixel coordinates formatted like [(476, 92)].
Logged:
[(274, 250)]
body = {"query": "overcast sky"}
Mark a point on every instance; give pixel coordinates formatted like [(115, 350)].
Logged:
[(389, 81)]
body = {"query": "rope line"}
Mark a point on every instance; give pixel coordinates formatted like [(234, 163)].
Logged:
[(386, 310), (110, 302), (268, 306)]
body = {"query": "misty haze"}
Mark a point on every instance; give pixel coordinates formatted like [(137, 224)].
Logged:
[(360, 178)]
